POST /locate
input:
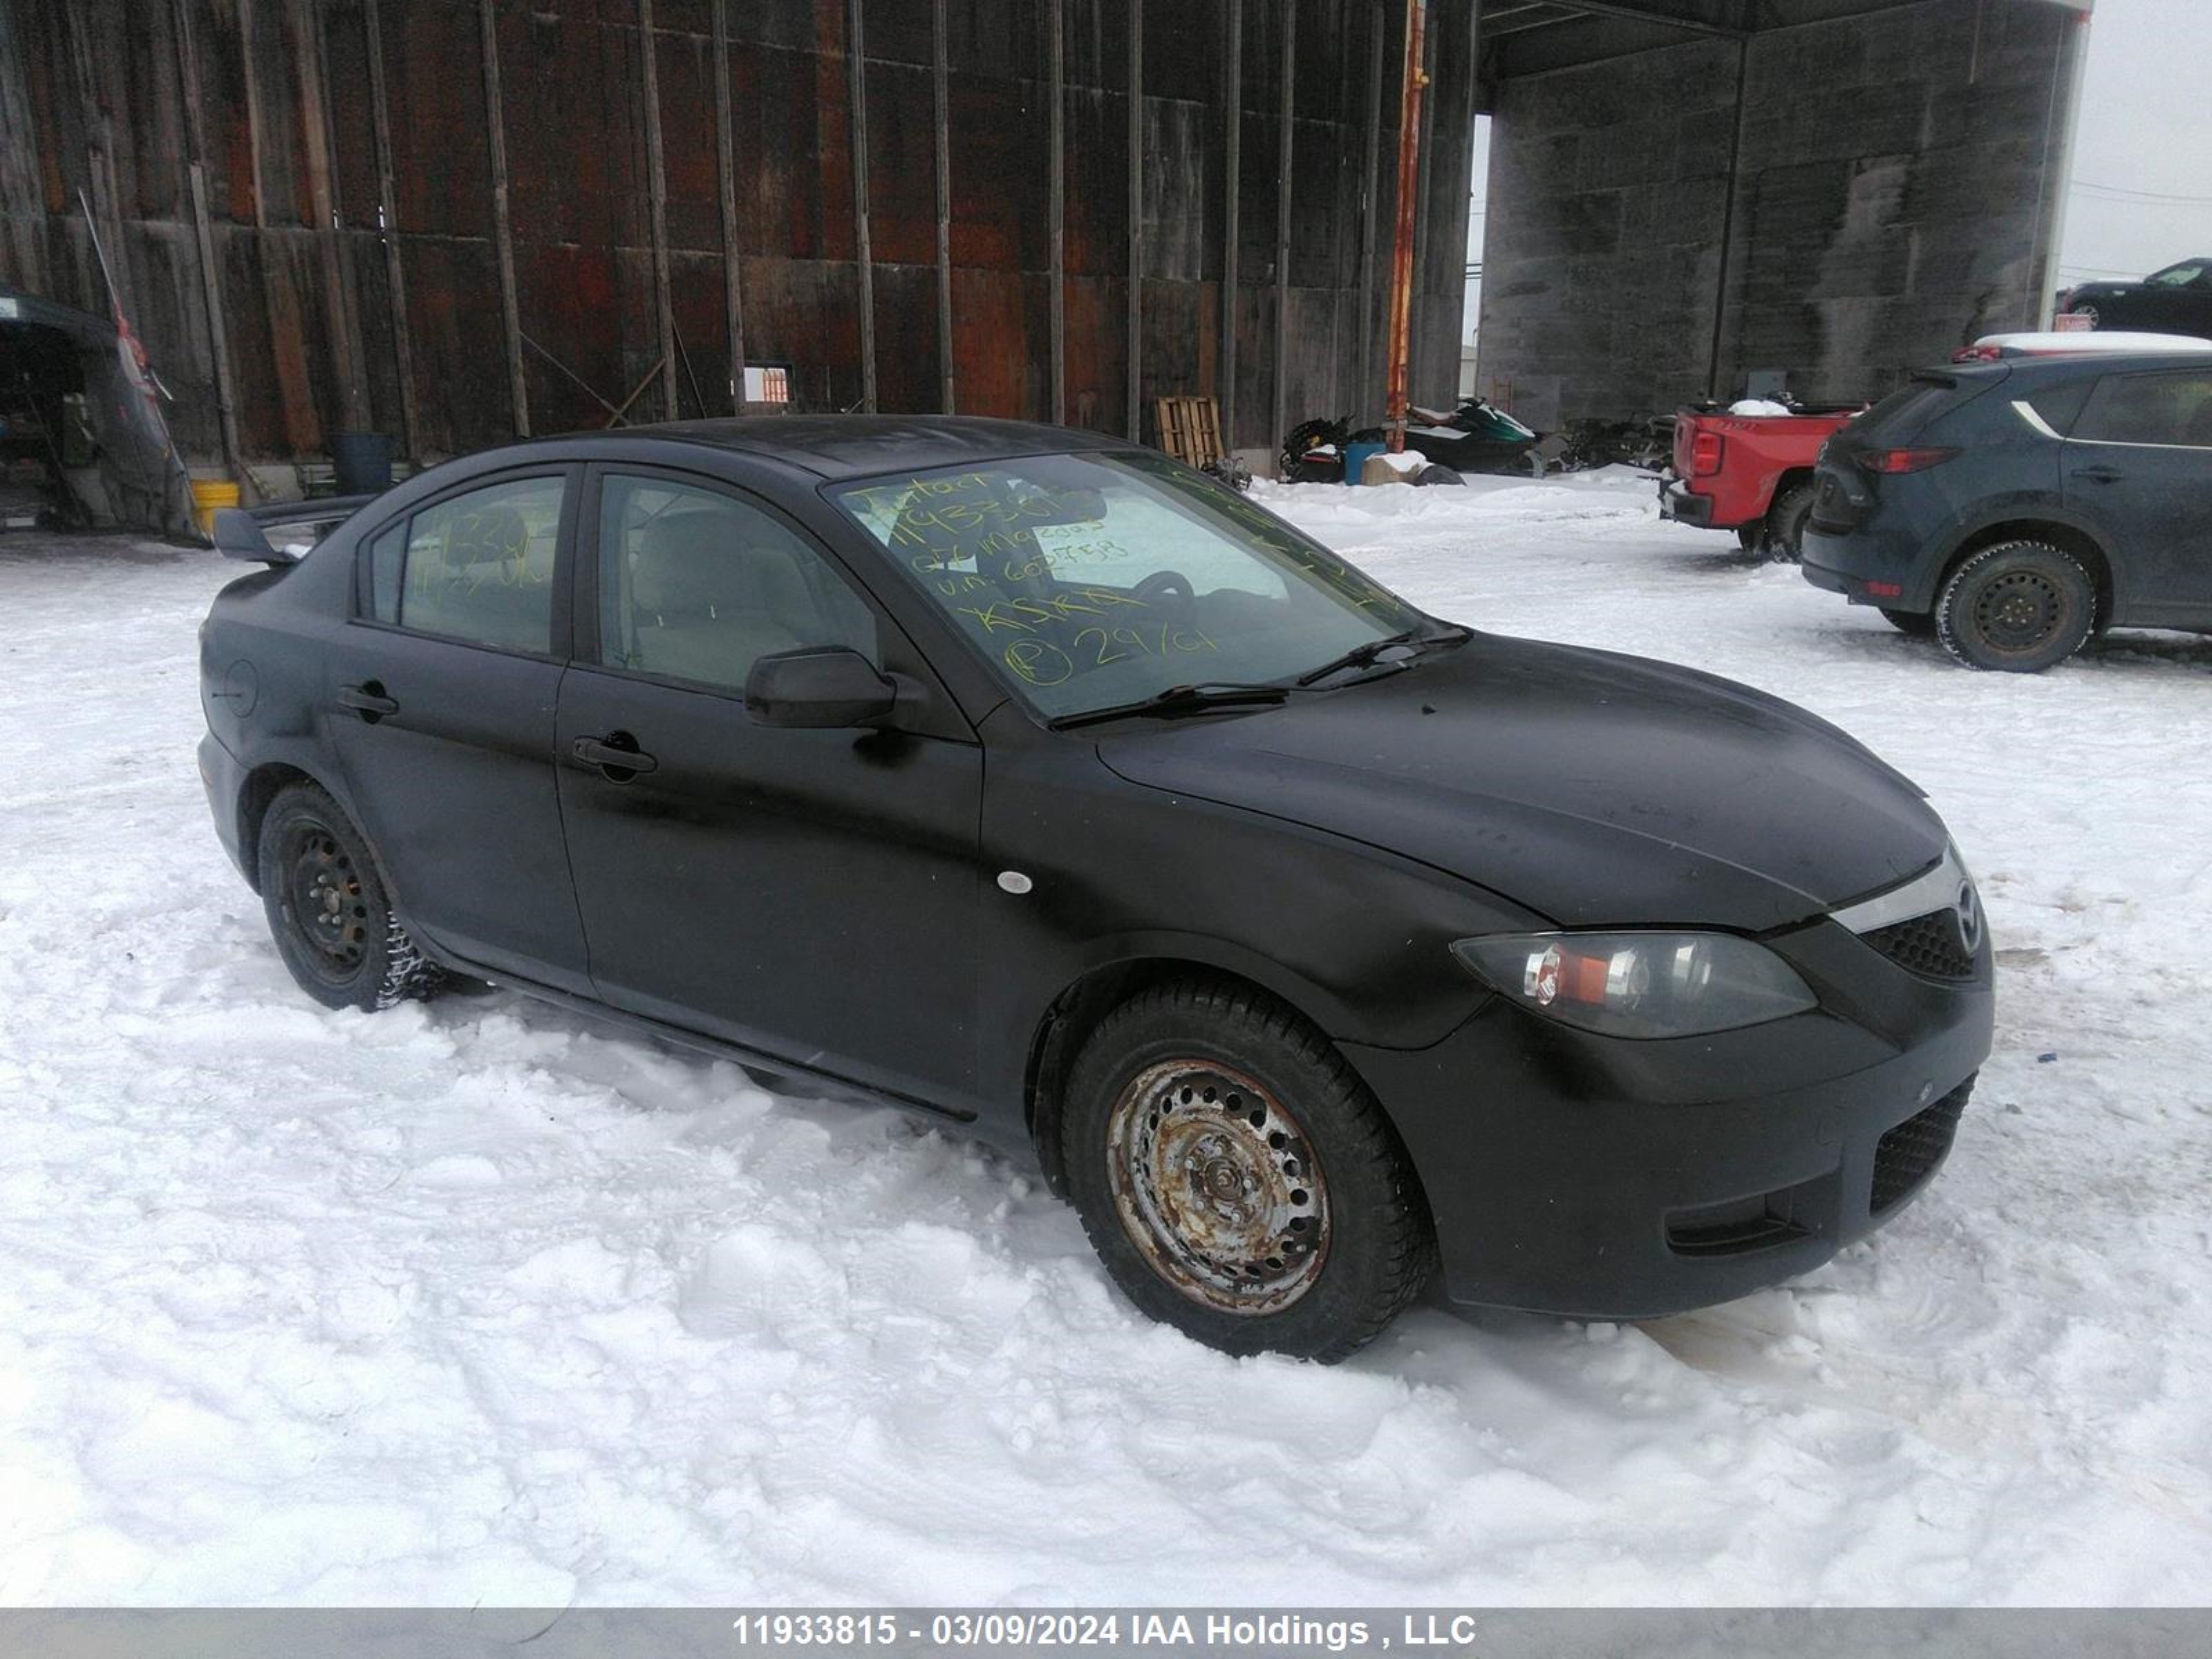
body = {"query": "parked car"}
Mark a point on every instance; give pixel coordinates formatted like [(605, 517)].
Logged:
[(2175, 300), (1751, 473), (2063, 342), (2012, 508), (1032, 780)]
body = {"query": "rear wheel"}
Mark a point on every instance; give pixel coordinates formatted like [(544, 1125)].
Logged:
[(1919, 623), (328, 909), (2018, 607), (1786, 520), (1238, 1179)]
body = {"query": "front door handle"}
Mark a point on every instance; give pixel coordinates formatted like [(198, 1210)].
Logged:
[(368, 700), (617, 755), (2100, 474)]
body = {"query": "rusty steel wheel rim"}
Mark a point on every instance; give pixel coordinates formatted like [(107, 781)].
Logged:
[(329, 909), (1216, 1186)]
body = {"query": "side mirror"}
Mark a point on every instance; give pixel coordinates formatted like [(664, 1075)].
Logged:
[(827, 687), (238, 535)]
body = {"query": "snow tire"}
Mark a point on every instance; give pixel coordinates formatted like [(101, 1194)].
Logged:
[(328, 909), (1375, 1243)]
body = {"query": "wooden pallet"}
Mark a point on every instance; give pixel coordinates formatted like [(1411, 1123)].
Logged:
[(1189, 429)]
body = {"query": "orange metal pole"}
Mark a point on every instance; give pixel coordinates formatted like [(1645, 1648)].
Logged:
[(1401, 247)]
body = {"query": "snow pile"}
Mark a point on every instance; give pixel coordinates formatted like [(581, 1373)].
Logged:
[(1759, 406), (483, 1301)]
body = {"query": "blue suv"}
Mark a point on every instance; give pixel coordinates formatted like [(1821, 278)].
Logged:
[(2014, 508)]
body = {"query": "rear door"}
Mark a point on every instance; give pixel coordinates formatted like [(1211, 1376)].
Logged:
[(811, 895), (442, 695), (2139, 463)]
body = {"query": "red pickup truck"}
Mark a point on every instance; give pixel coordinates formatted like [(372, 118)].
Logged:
[(1750, 472)]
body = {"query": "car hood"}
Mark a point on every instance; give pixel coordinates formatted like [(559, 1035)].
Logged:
[(1595, 789)]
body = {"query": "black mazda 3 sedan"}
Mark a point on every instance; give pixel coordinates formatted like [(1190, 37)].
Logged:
[(1312, 944)]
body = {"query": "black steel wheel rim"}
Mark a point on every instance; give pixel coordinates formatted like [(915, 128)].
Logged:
[(1216, 1186), (2019, 610), (326, 901)]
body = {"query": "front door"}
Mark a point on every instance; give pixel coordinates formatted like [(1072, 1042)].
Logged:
[(441, 695), (2140, 464), (811, 895)]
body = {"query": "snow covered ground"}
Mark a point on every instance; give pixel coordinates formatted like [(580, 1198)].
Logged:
[(479, 1301)]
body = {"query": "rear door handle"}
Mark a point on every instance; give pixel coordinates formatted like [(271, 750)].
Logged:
[(617, 755), (2100, 474), (368, 700)]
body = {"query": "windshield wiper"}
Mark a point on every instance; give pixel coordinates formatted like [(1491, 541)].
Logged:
[(1360, 656), (1181, 700)]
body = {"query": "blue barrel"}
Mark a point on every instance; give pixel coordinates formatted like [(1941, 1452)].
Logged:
[(363, 460), (1355, 459)]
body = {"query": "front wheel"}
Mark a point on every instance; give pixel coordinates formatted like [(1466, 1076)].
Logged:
[(1238, 1179), (2017, 607), (328, 909)]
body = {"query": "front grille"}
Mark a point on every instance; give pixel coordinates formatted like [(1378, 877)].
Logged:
[(1928, 944), (1908, 1154)]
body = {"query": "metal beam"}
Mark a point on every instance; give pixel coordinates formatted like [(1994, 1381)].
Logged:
[(387, 204), (312, 61), (1282, 377), (1651, 11), (502, 232), (940, 77), (733, 291), (1370, 197), (857, 78), (1057, 53), (1232, 177), (1133, 369), (1728, 217), (656, 187), (1401, 245), (218, 324)]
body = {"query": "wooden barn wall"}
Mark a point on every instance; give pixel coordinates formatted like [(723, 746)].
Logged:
[(339, 315)]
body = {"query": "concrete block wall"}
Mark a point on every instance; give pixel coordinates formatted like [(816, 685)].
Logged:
[(1895, 196)]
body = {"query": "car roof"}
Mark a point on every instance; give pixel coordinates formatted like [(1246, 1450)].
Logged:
[(856, 445), (2095, 362)]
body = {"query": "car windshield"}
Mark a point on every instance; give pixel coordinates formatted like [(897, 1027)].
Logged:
[(1089, 581), (2179, 276)]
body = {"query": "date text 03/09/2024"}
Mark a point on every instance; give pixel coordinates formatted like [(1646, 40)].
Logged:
[(1157, 1631)]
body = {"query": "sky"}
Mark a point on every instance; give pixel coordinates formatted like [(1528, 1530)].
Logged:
[(2145, 136), (2142, 190)]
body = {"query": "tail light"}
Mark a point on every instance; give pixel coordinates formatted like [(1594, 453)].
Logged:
[(1891, 461), (1978, 354), (1706, 454)]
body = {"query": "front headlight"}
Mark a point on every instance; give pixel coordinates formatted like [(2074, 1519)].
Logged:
[(1639, 985)]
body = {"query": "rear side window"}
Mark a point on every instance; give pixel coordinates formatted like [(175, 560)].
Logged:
[(2060, 406), (2173, 408), (1905, 410), (476, 568)]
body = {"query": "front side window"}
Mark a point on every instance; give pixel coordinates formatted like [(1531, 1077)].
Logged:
[(697, 586), (1092, 580), (476, 568), (2173, 409)]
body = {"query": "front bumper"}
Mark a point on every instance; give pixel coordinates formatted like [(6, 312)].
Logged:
[(1598, 1178)]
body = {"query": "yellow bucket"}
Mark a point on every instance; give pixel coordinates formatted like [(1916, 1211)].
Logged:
[(208, 494)]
